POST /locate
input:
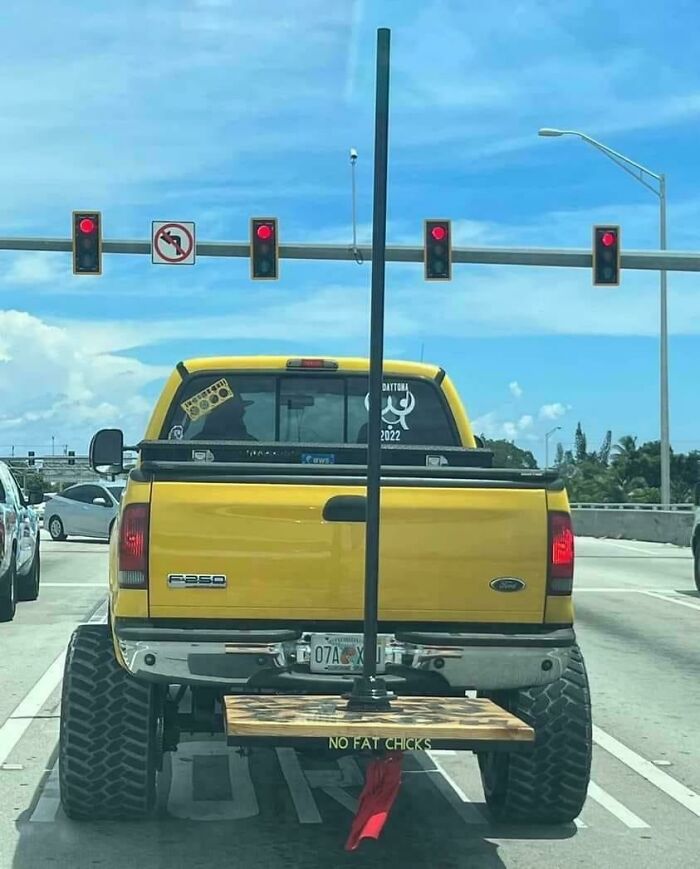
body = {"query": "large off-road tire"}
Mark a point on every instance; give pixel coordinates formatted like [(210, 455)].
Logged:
[(8, 592), (111, 734), (28, 586), (548, 784)]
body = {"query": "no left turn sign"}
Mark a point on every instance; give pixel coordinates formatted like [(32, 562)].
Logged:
[(172, 242)]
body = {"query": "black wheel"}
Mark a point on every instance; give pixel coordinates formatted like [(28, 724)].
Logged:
[(56, 529), (28, 586), (111, 528), (548, 784), (8, 591), (696, 566), (111, 733)]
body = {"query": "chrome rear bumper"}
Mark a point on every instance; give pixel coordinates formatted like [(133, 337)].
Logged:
[(440, 662)]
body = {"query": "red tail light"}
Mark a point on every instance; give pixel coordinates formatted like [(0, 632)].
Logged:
[(133, 547), (560, 577)]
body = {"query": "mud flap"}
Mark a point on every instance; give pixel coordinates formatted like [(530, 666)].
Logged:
[(382, 783)]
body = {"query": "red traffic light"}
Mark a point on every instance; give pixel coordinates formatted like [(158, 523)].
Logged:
[(87, 225), (264, 231), (608, 239), (438, 232)]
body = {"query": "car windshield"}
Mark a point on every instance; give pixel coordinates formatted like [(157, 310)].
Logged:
[(117, 491), (308, 409)]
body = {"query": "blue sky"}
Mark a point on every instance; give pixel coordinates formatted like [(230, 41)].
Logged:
[(216, 110)]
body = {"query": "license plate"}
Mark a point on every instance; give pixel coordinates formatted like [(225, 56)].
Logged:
[(341, 653)]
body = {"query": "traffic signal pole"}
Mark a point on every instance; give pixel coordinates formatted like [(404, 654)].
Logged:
[(582, 258)]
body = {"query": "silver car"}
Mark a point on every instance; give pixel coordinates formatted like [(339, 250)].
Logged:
[(85, 510)]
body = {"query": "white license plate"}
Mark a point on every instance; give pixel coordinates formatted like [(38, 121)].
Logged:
[(341, 653)]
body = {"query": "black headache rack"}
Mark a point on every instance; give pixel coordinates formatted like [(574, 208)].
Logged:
[(316, 463)]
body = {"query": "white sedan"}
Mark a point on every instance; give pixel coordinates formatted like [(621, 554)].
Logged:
[(85, 510)]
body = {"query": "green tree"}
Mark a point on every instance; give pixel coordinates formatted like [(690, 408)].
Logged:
[(604, 451), (507, 455), (580, 444), (559, 457)]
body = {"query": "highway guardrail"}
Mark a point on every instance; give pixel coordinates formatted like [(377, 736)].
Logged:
[(648, 522)]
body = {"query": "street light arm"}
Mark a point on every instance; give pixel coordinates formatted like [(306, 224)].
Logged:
[(610, 153), (619, 162)]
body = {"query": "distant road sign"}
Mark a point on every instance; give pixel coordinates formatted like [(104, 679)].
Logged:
[(173, 243)]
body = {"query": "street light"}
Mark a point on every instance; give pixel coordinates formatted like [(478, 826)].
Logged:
[(546, 445), (638, 172)]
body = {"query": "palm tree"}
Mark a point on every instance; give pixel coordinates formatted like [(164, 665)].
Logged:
[(626, 447)]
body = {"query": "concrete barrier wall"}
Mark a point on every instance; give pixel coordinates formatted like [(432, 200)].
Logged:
[(656, 526)]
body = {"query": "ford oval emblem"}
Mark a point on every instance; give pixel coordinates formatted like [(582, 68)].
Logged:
[(507, 583)]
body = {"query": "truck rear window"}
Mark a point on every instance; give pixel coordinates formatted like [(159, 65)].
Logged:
[(299, 408)]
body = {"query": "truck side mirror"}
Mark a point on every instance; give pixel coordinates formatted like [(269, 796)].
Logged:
[(107, 451), (35, 497), (696, 495), (479, 442)]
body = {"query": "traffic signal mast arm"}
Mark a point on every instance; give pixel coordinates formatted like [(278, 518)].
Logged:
[(651, 260)]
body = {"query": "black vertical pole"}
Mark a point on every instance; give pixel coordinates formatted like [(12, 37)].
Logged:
[(369, 691)]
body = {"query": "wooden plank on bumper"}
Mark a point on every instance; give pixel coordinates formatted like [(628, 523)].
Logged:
[(413, 723)]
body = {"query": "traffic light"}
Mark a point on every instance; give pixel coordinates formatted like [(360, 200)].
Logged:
[(437, 244), (30, 459), (71, 457), (606, 256), (264, 254), (87, 243)]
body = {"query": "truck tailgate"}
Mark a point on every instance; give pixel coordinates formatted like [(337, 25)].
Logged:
[(440, 549)]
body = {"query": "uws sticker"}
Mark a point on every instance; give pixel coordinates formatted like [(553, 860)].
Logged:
[(196, 580)]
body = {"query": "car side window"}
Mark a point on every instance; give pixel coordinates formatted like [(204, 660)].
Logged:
[(14, 486), (92, 492), (74, 493), (8, 493)]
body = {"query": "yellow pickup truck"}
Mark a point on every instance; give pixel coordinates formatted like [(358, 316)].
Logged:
[(236, 567)]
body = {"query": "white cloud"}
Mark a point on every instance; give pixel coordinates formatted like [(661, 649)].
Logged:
[(51, 384), (515, 388), (496, 428), (552, 411), (35, 268)]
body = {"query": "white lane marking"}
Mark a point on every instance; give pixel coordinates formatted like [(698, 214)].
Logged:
[(303, 799), (579, 823), (324, 778), (343, 797), (676, 600), (622, 813), (181, 799), (637, 548), (352, 774), (616, 590), (347, 775), (20, 719), (103, 585), (449, 789), (49, 802), (662, 780)]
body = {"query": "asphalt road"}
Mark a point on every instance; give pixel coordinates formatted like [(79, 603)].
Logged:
[(637, 619)]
